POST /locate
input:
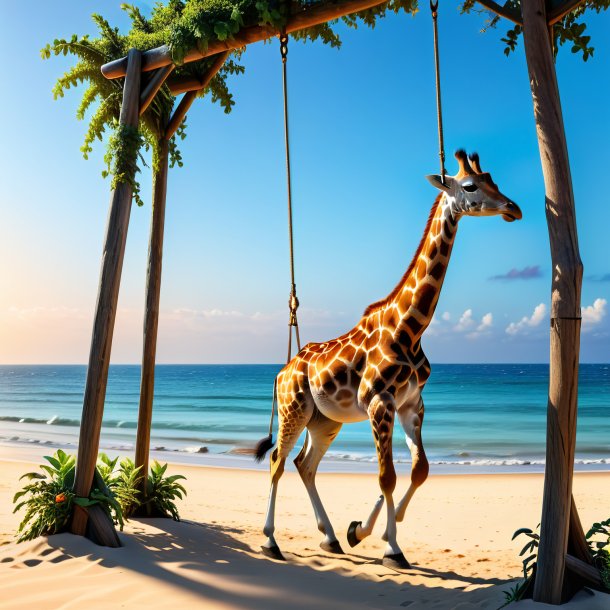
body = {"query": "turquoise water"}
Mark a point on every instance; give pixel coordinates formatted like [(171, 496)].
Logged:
[(476, 415)]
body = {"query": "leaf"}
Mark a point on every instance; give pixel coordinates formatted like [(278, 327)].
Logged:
[(523, 530), (32, 475), (53, 461), (83, 501)]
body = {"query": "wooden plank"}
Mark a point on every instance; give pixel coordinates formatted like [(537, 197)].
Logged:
[(584, 570), (182, 84), (577, 543), (151, 314), (189, 97), (565, 305), (100, 528), (502, 11), (558, 10), (153, 86), (301, 18), (179, 114), (103, 325)]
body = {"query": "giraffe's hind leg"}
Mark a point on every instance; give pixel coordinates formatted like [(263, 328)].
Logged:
[(321, 432), (294, 415), (412, 423)]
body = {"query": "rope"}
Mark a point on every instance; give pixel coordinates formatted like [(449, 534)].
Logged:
[(293, 301), (439, 110)]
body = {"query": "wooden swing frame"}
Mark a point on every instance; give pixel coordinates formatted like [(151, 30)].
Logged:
[(564, 559)]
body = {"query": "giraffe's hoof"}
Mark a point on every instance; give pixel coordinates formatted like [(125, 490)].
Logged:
[(273, 552), (396, 562), (332, 547), (352, 539)]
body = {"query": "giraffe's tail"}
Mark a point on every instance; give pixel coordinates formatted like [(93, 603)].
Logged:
[(263, 446)]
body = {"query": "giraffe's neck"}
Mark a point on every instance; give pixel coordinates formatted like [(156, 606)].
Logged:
[(414, 300)]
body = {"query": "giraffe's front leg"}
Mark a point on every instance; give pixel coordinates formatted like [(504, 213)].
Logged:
[(381, 414)]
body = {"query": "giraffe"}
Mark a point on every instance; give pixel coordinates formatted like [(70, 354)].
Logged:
[(377, 370)]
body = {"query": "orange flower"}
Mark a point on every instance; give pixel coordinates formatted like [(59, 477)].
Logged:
[(59, 498)]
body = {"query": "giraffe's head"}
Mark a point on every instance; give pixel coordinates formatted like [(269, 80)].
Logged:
[(472, 192)]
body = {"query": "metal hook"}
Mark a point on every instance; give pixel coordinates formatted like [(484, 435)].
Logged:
[(434, 6)]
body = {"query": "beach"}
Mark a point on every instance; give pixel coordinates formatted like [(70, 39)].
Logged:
[(456, 534)]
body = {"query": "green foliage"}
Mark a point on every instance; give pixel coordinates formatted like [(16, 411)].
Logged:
[(569, 30), (523, 589), (598, 538), (47, 498), (183, 25), (162, 492), (124, 486), (122, 155)]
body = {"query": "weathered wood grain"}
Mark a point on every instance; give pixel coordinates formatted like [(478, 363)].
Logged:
[(151, 314), (301, 18), (153, 86), (565, 305), (105, 311)]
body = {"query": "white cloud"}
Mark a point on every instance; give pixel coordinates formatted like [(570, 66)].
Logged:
[(483, 327), (593, 314), (446, 316), (465, 322), (525, 324), (486, 323)]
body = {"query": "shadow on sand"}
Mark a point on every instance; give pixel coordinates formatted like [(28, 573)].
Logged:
[(209, 563)]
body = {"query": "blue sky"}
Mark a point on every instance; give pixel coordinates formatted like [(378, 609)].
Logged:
[(363, 129)]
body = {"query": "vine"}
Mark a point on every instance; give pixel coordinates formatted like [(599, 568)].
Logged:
[(121, 158), (569, 30), (183, 25)]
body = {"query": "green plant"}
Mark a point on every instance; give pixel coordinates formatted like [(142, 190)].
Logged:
[(600, 549), (523, 589), (48, 498), (124, 485), (122, 482), (161, 492), (568, 30)]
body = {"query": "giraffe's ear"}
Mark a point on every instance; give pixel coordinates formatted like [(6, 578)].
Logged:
[(435, 181)]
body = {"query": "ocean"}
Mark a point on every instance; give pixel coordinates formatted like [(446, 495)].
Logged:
[(479, 418)]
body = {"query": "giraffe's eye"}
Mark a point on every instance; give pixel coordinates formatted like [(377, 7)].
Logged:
[(470, 187)]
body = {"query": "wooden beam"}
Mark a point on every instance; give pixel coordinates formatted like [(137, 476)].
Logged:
[(153, 86), (577, 543), (151, 314), (107, 297), (502, 11), (558, 10), (182, 84), (189, 97), (301, 18), (584, 570), (565, 305), (179, 114)]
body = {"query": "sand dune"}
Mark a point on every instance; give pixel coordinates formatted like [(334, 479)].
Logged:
[(457, 537)]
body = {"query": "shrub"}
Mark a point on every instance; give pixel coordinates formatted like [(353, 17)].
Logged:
[(161, 493)]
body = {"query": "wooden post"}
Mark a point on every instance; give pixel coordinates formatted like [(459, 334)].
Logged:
[(153, 278), (565, 306), (151, 315), (108, 293)]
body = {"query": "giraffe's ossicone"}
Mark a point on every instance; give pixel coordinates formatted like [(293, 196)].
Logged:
[(377, 370)]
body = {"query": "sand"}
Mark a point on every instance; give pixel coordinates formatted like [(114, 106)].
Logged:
[(457, 536)]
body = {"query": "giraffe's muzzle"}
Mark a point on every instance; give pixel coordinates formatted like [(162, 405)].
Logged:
[(511, 212)]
